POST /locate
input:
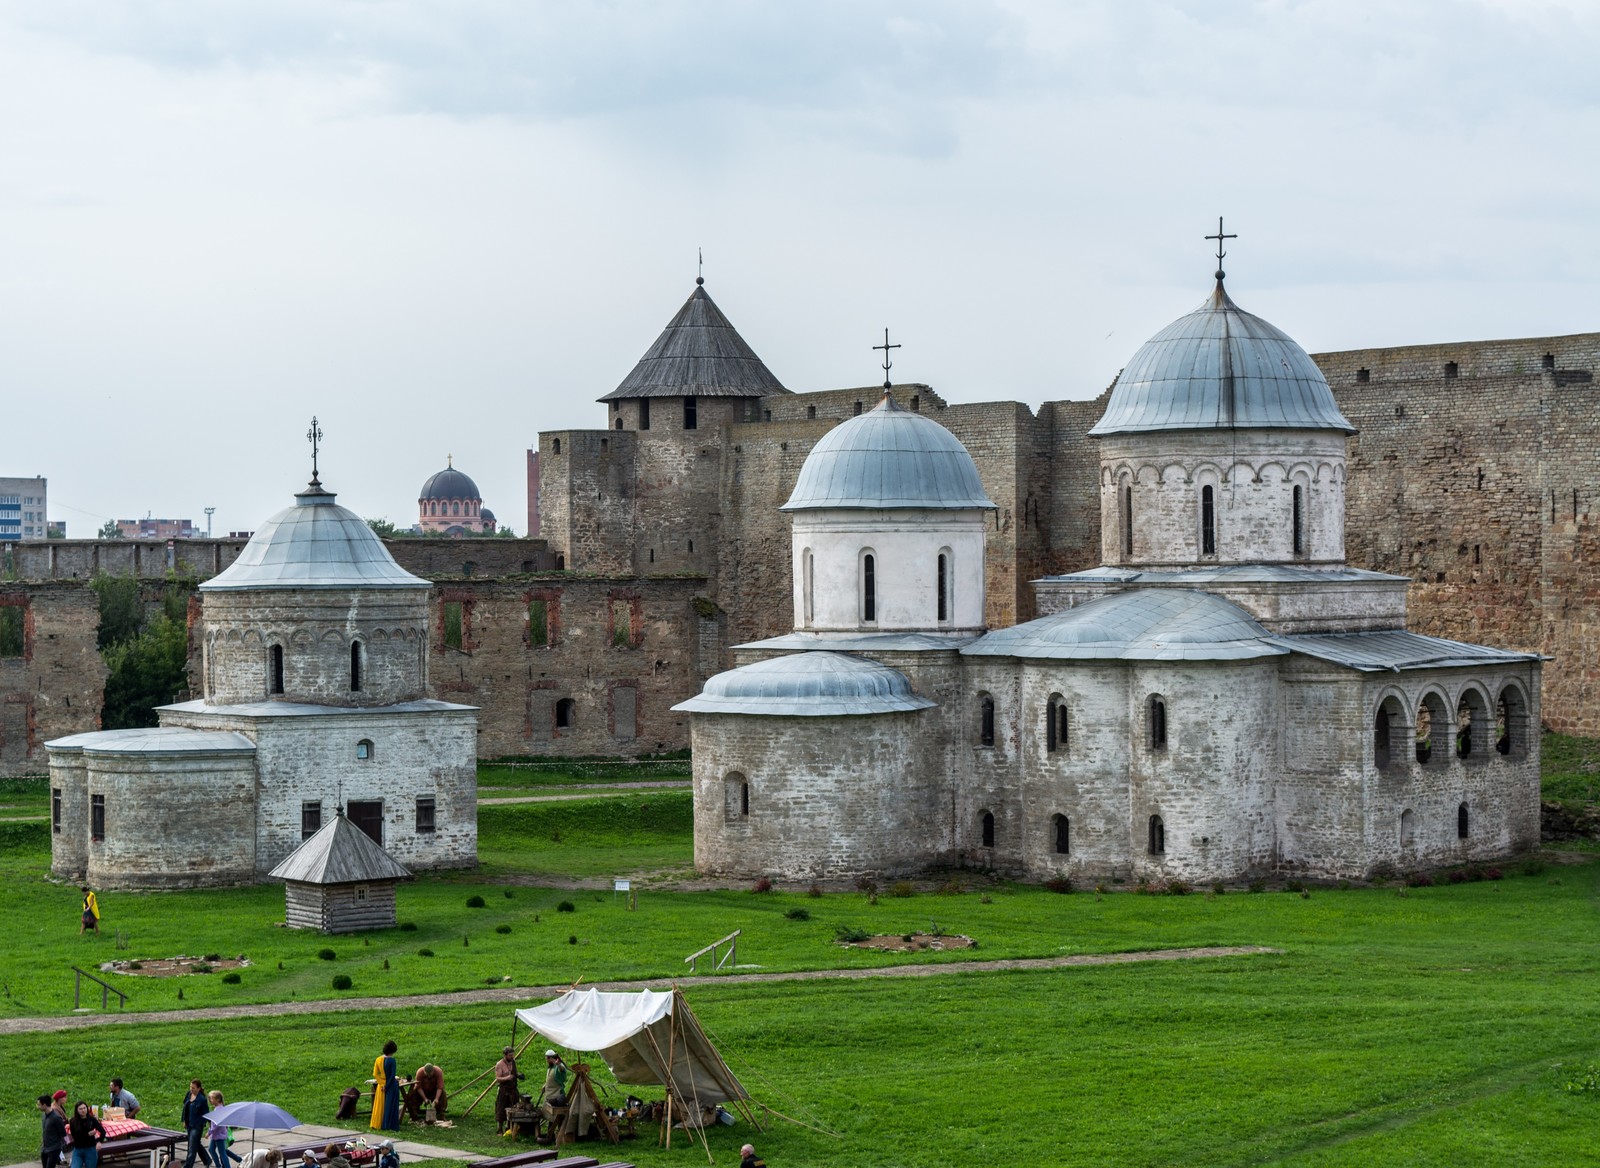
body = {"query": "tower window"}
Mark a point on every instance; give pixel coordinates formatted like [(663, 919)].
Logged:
[(811, 411), (1127, 522), (943, 587), (691, 413), (1208, 521), (1156, 717), (275, 670), (986, 826), (986, 721), (1158, 836), (1463, 822), (97, 817), (869, 588), (644, 413), (1061, 833), (1298, 522), (55, 810), (1056, 724), (858, 408), (355, 666)]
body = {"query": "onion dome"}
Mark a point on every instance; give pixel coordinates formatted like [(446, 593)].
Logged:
[(808, 685), (450, 484), (699, 354), (1220, 367), (889, 457), (314, 544), (1143, 625)]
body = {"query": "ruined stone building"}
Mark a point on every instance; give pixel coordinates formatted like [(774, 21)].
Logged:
[(1223, 695)]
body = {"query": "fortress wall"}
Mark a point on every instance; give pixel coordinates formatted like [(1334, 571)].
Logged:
[(55, 687)]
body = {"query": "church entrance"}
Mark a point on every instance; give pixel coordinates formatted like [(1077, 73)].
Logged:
[(368, 816)]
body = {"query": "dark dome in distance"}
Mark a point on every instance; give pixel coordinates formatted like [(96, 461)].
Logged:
[(450, 484)]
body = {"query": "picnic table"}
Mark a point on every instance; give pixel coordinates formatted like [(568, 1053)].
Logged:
[(141, 1142)]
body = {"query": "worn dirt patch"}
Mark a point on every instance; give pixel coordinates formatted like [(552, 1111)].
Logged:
[(911, 942), (173, 966)]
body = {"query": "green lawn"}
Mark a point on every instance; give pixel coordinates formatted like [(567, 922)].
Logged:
[(1571, 768)]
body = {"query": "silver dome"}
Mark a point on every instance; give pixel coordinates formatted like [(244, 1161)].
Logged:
[(314, 544), (1220, 367), (807, 685), (889, 457)]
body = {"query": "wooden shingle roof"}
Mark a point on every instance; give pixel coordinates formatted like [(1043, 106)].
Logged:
[(699, 354), (341, 853)]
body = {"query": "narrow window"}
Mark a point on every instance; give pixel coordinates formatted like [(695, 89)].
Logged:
[(275, 678), (1061, 830), (425, 813), (858, 408), (618, 426), (1127, 522), (564, 712), (55, 810), (691, 413), (1463, 822), (1363, 376), (1380, 738), (735, 798), (1061, 724), (364, 749), (555, 446), (1408, 828), (806, 570), (986, 721), (452, 624), (310, 818), (1157, 718), (355, 666), (916, 403), (538, 623), (1451, 370), (644, 413), (744, 800), (869, 588), (11, 635), (987, 824), (1298, 522), (1208, 520), (944, 587), (1055, 718), (811, 411), (1549, 362), (1158, 836), (97, 817)]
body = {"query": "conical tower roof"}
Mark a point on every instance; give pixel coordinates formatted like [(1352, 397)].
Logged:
[(341, 853), (698, 354)]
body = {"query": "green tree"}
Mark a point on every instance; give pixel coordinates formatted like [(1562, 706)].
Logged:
[(384, 528), (11, 631), (55, 533), (121, 609), (109, 530), (505, 533), (145, 672)]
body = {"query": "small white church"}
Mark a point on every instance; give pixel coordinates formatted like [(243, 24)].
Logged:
[(1222, 697)]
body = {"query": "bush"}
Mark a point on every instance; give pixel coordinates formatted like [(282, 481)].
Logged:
[(199, 967), (502, 929), (213, 957), (798, 914), (951, 888), (849, 935), (1458, 876), (1419, 880), (572, 940), (385, 965), (509, 894), (327, 954), (1258, 886), (341, 981), (1217, 889), (566, 906), (985, 899), (140, 965), (408, 926), (1294, 886), (424, 952), (475, 902), (815, 891), (866, 884), (1586, 1082), (1178, 888), (902, 889), (1059, 884), (231, 979), (762, 885)]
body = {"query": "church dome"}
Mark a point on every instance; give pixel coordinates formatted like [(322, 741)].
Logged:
[(889, 457), (314, 544), (450, 484), (1220, 367), (806, 685)]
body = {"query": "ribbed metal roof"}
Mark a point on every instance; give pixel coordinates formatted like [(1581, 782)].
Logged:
[(889, 457), (314, 544), (450, 483), (1220, 367), (266, 709), (155, 740), (860, 642), (1394, 651), (1226, 574), (699, 354), (1143, 625), (340, 853), (807, 685)]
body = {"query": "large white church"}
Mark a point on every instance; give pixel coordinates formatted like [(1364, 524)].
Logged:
[(1222, 697)]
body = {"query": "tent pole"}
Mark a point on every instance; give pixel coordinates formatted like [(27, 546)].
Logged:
[(801, 1122), (678, 1006), (486, 1090), (742, 1105)]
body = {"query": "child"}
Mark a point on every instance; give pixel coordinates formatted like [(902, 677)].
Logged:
[(219, 1136)]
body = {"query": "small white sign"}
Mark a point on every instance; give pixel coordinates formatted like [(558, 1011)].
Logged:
[(622, 886)]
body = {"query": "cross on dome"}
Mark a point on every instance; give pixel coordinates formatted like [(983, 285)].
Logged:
[(887, 364), (1219, 237)]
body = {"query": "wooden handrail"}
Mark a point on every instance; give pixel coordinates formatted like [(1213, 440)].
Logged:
[(106, 990), (731, 941)]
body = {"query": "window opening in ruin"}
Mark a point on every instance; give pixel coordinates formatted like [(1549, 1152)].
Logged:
[(1471, 729), (691, 413), (1549, 362), (564, 714), (943, 586), (55, 810), (1298, 520), (425, 813), (1451, 370), (1363, 376), (11, 630), (1061, 830), (1127, 522), (916, 403), (452, 624), (869, 588), (1399, 411), (1408, 828), (1511, 721), (1480, 478), (1477, 553), (538, 622), (652, 555), (355, 666), (1574, 506), (310, 818), (1158, 836), (605, 445), (1208, 521), (986, 824), (811, 411), (985, 720), (622, 625), (1463, 822), (644, 413), (364, 749), (858, 408), (555, 446), (1156, 716), (275, 671), (735, 797), (97, 817), (367, 814)]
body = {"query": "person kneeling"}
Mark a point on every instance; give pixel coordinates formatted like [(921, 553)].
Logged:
[(426, 1101)]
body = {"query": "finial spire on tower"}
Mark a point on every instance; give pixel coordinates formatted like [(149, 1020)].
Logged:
[(1219, 237), (887, 364), (699, 266), (314, 436)]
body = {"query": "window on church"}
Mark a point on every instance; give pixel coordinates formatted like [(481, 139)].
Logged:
[(986, 825), (1055, 724), (1127, 522), (735, 798), (1298, 522), (1208, 521), (97, 817), (869, 588), (1061, 834), (355, 666), (1472, 730), (453, 616), (943, 587), (644, 413), (1408, 828), (1463, 822), (807, 570), (310, 818), (55, 810), (1158, 836), (425, 814), (1385, 723), (691, 413), (566, 710), (985, 720), (275, 670), (1156, 722), (364, 750)]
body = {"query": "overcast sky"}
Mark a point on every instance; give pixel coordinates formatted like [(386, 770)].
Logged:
[(446, 225)]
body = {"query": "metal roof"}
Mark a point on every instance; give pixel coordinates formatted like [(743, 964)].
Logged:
[(807, 685), (311, 710), (1226, 574), (699, 354), (860, 642), (889, 457), (1394, 650), (1220, 367), (314, 544), (1142, 625), (450, 483), (340, 853), (155, 740)]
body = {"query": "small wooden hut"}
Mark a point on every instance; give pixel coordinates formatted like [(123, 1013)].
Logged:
[(339, 881)]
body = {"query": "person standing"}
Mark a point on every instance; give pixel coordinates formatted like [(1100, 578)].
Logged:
[(195, 1106), (123, 1098), (505, 1078), (386, 1090), (554, 1092), (87, 1132), (91, 912), (52, 1132), (219, 1135)]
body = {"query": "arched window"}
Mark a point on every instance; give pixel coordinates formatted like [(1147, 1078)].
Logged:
[(1208, 521), (1511, 723), (1158, 836), (1463, 822), (364, 750), (555, 446), (1156, 722), (275, 670), (1472, 728), (806, 581), (355, 666), (1055, 724), (985, 720), (869, 588), (942, 584), (618, 426), (1127, 522), (565, 709), (1431, 722), (1060, 834), (986, 824), (1385, 723), (1298, 522), (1408, 828)]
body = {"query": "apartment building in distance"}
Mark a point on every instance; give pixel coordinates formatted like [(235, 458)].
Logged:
[(22, 509)]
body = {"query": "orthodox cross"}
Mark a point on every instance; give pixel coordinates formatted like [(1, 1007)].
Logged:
[(1219, 237), (887, 364), (314, 436)]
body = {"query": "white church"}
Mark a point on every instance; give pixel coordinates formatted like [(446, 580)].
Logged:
[(1222, 697)]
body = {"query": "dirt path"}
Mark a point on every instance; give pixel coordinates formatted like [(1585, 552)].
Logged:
[(531, 993)]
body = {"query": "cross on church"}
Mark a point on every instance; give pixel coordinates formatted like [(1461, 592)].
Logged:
[(1219, 237), (887, 364), (314, 436)]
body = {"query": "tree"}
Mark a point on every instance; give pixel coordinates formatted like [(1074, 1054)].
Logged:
[(505, 533), (121, 609), (144, 673), (384, 528), (110, 530)]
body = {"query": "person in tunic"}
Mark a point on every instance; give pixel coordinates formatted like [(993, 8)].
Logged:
[(506, 1093), (427, 1090), (385, 1091), (554, 1093)]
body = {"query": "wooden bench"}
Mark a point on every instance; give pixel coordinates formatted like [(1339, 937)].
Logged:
[(147, 1144), (517, 1159)]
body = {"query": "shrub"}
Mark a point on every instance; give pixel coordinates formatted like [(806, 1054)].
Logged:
[(1146, 888), (866, 884), (1061, 884), (1101, 889), (385, 965), (213, 957), (850, 935), (466, 941), (140, 965), (951, 887), (572, 940), (1493, 874), (815, 891), (199, 967), (1294, 886), (475, 902), (1217, 889), (502, 929), (327, 954), (1419, 880), (762, 885), (408, 926), (341, 981), (566, 906), (1587, 1082), (872, 897), (798, 914), (1178, 888), (231, 979), (424, 952), (509, 894), (903, 889), (1458, 876), (985, 899), (1258, 886)]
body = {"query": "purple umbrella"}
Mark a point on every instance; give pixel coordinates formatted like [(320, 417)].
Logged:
[(253, 1115)]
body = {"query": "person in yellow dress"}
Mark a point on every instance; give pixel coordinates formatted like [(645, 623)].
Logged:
[(386, 1091), (91, 912)]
